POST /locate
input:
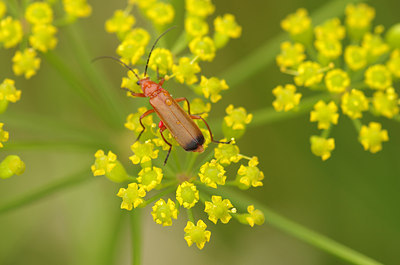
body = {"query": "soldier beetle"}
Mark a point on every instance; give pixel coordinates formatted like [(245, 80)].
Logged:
[(172, 117)]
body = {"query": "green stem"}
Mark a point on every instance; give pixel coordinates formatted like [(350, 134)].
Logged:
[(296, 230), (190, 215), (102, 85), (180, 44), (192, 160), (136, 225), (265, 54), (357, 124), (46, 191), (158, 196), (109, 252)]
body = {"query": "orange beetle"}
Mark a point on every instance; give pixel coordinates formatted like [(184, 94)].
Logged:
[(172, 117)]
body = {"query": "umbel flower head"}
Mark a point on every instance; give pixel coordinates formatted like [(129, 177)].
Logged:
[(351, 68), (190, 185)]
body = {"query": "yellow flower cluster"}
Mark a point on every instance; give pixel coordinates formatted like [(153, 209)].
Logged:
[(356, 79)]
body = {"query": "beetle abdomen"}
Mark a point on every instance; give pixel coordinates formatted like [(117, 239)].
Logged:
[(195, 143)]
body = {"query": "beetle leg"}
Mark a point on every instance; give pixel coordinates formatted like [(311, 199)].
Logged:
[(150, 111), (197, 117), (141, 95), (187, 101), (170, 145)]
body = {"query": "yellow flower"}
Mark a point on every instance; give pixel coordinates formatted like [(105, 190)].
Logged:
[(212, 87), (161, 13), (393, 63), (186, 70), (297, 23), (143, 152), (196, 26), (39, 13), (291, 55), (26, 63), (132, 196), (197, 234), (162, 60), (11, 165), (139, 35), (355, 57), (337, 81), (358, 19), (143, 3), (378, 77), (4, 135), (218, 209), (375, 45), (354, 103), (386, 103), (330, 29), (227, 25), (250, 175), (322, 147), (325, 114), (8, 91), (329, 48), (77, 8), (130, 51), (371, 137), (201, 8), (150, 177), (286, 97), (203, 47), (187, 194), (163, 212), (120, 22), (237, 117), (255, 216), (212, 173), (109, 166), (10, 32), (309, 74), (227, 153), (133, 123), (42, 37), (3, 9)]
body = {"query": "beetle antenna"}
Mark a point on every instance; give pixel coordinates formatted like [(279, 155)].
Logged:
[(154, 45), (118, 60)]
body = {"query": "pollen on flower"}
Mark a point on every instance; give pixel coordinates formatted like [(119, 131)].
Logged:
[(286, 97), (162, 60), (201, 8), (337, 81), (150, 177), (197, 234), (163, 212), (218, 209), (309, 74), (378, 77), (203, 47), (386, 103), (132, 196), (120, 22), (187, 194), (355, 57), (212, 173), (329, 48), (143, 152), (26, 63), (10, 32), (324, 114), (354, 103), (322, 147), (8, 91), (185, 71), (196, 26), (160, 13), (39, 13), (371, 137), (77, 8), (212, 87), (3, 135), (227, 153), (228, 26), (291, 54), (251, 175), (42, 37)]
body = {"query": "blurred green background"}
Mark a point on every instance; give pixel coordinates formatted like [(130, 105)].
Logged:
[(353, 197)]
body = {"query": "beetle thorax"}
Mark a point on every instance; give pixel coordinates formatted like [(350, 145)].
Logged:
[(149, 87)]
